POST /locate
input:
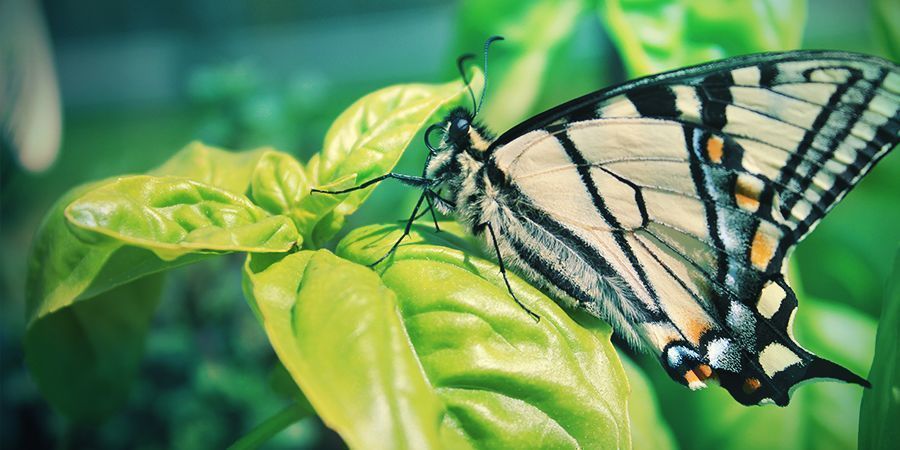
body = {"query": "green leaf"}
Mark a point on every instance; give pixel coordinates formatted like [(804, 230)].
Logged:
[(174, 216), (65, 272), (822, 415), (881, 405), (369, 137), (649, 431), (63, 269), (658, 35), (278, 182), (223, 169), (84, 357), (534, 32), (432, 352)]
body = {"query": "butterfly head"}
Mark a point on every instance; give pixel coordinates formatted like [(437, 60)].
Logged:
[(462, 143)]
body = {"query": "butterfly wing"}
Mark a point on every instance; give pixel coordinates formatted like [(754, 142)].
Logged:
[(678, 196)]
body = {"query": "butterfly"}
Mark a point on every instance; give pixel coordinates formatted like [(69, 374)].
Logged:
[(668, 205)]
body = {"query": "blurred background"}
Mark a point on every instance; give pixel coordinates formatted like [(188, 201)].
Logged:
[(96, 88)]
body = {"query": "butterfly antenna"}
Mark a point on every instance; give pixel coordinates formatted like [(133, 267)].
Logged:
[(487, 45), (462, 72)]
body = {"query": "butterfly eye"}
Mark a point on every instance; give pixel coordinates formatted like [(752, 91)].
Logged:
[(459, 128)]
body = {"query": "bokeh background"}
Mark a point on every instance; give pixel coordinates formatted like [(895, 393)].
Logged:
[(138, 80)]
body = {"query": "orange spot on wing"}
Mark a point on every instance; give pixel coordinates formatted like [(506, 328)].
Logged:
[(703, 371), (691, 377), (762, 249), (746, 192), (714, 149), (750, 385), (695, 329)]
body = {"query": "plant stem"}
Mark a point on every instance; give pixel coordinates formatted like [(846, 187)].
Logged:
[(272, 426)]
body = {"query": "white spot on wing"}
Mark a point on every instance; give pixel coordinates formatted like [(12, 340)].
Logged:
[(740, 319), (723, 355), (618, 106), (747, 76), (770, 300), (686, 102), (892, 82), (830, 75), (776, 357)]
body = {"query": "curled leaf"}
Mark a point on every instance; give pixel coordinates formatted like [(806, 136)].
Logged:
[(174, 216)]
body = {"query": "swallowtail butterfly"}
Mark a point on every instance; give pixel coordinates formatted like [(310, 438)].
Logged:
[(667, 205)]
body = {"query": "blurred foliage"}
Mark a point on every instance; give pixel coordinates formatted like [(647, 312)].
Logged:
[(658, 35), (881, 405), (886, 27), (205, 376)]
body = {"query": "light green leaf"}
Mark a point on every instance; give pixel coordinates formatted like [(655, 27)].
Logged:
[(369, 137), (84, 357), (534, 31), (822, 415), (658, 35), (437, 347), (278, 182), (173, 216), (881, 405), (335, 327), (223, 169)]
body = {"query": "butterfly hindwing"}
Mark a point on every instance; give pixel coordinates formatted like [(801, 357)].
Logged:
[(685, 191)]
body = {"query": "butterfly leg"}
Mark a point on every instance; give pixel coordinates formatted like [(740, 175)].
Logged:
[(490, 229), (406, 230)]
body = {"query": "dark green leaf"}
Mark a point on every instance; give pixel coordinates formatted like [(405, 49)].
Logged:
[(84, 357), (881, 405)]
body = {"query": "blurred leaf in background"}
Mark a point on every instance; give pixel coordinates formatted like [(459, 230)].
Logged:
[(881, 404), (535, 32), (886, 27), (243, 106), (658, 35)]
